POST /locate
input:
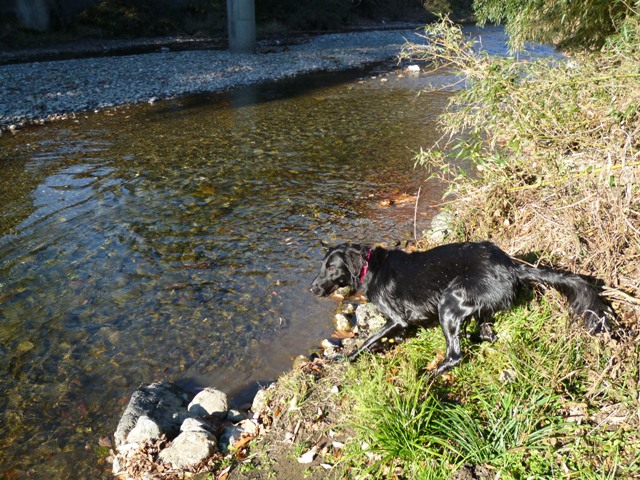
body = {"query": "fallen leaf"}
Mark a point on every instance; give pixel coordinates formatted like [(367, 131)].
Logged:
[(342, 334), (244, 439), (224, 474), (433, 364), (308, 456)]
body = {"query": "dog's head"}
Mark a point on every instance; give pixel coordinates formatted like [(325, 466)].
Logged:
[(340, 268)]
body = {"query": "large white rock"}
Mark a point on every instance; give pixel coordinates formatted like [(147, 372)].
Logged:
[(188, 449), (209, 402), (162, 402), (195, 425), (145, 429)]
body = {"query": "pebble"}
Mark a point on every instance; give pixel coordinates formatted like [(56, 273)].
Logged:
[(32, 92), (342, 323)]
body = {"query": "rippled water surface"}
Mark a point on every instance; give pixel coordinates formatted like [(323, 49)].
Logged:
[(177, 241)]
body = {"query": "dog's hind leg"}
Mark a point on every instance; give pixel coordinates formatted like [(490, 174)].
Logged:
[(484, 331), (453, 311)]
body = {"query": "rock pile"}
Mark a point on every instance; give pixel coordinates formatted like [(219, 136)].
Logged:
[(163, 429), (353, 323)]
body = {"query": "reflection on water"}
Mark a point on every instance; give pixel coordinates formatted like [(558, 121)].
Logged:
[(176, 241)]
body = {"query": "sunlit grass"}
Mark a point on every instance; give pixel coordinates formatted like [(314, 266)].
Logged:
[(517, 407)]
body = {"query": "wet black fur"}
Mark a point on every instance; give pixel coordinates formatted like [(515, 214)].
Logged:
[(449, 284)]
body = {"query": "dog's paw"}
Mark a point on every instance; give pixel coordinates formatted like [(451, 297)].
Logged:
[(447, 364), (483, 334)]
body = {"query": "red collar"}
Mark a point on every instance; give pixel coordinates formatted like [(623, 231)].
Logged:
[(365, 267)]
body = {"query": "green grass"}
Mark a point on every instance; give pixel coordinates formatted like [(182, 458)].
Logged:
[(545, 401), (507, 407)]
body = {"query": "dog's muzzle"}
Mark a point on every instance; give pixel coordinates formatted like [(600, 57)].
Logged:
[(318, 290)]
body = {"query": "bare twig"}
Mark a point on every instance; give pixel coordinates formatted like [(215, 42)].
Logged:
[(415, 216)]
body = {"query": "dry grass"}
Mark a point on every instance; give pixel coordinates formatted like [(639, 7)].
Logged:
[(555, 149)]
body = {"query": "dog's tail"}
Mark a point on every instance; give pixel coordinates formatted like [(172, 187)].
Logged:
[(583, 298)]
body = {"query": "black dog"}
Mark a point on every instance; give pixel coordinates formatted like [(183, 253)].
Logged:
[(450, 283)]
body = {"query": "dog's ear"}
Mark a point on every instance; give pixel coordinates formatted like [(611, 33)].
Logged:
[(354, 261)]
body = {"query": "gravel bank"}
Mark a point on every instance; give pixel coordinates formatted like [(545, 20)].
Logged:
[(40, 91)]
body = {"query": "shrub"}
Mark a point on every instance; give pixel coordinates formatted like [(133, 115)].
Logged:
[(553, 149)]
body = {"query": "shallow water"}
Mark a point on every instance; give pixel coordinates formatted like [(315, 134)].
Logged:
[(177, 241)]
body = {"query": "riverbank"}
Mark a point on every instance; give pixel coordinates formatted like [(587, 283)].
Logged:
[(42, 91)]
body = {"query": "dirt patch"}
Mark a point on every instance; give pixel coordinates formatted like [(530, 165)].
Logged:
[(304, 436)]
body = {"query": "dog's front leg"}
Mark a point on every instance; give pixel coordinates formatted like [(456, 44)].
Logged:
[(386, 330), (452, 313)]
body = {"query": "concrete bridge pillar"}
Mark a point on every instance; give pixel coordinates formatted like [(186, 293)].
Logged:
[(241, 21)]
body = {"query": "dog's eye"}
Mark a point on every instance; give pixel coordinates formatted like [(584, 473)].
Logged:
[(331, 269)]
